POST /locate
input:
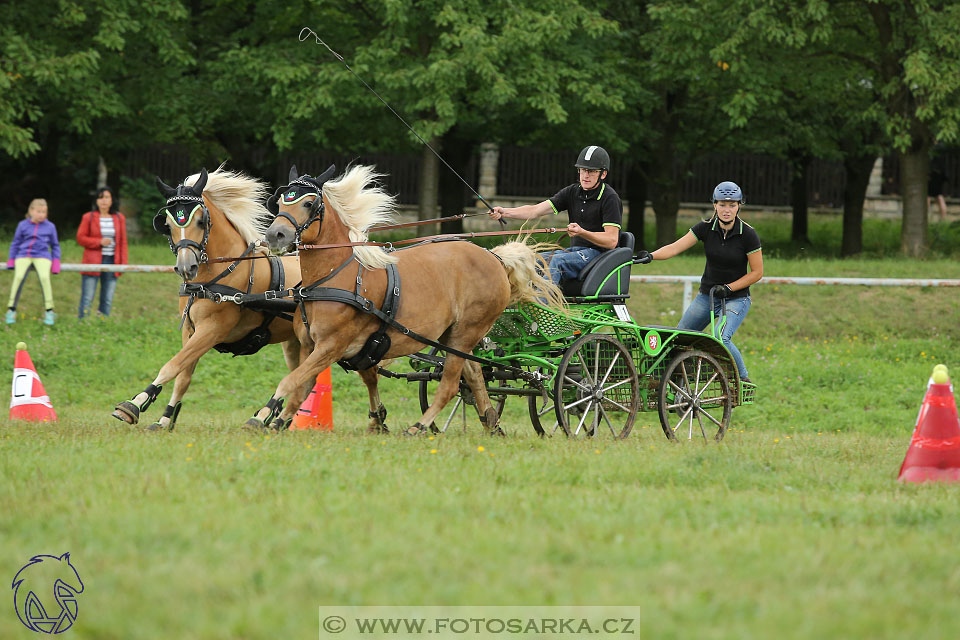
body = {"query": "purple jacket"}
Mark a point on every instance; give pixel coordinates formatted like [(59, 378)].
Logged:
[(36, 240)]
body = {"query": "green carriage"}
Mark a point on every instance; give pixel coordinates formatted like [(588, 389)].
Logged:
[(591, 370)]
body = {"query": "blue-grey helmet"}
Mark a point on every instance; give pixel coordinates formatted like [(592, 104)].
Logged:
[(728, 191)]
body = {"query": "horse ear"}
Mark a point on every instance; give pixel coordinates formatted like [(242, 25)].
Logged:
[(165, 190), (200, 183), (294, 174), (326, 175)]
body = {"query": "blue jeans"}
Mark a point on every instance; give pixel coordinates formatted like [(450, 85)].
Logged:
[(697, 318), (88, 287), (567, 264)]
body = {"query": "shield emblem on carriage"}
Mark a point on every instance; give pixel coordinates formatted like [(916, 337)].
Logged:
[(652, 343)]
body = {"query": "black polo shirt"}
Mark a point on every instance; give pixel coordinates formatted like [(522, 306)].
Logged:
[(593, 210), (726, 254)]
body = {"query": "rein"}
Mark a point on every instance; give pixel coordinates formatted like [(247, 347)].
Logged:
[(459, 216), (390, 245), (436, 238)]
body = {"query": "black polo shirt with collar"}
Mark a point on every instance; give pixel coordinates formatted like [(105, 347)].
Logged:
[(593, 210), (726, 253)]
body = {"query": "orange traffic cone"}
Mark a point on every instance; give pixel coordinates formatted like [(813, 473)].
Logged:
[(28, 399), (934, 453), (316, 412)]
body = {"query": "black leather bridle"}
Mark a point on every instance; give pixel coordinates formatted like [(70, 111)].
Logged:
[(296, 190), (183, 203)]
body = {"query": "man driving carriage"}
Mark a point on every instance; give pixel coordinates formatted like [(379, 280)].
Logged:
[(595, 215)]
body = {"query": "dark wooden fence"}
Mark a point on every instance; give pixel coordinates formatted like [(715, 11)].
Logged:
[(537, 173), (765, 180), (401, 171)]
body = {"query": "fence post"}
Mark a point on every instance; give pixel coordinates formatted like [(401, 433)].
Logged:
[(489, 158), (687, 295)]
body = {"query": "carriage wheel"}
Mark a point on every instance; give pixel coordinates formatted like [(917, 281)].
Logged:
[(694, 397), (459, 402), (543, 417), (596, 388)]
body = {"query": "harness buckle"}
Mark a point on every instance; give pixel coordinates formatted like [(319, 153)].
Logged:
[(237, 298), (270, 294), (217, 297)]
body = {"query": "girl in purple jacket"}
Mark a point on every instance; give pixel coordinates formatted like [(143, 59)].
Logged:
[(35, 244)]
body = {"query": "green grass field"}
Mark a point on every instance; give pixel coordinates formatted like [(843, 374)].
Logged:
[(792, 527)]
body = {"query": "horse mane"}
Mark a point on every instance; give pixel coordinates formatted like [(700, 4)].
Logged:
[(240, 198), (361, 202)]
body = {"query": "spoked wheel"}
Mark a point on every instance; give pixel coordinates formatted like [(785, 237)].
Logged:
[(543, 417), (458, 404), (596, 388), (694, 398)]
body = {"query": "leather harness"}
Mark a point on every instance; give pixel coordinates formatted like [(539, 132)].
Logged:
[(272, 303)]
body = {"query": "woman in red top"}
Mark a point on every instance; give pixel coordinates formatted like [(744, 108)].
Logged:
[(103, 236)]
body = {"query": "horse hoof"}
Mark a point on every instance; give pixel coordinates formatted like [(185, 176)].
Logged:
[(156, 426), (254, 423), (497, 432), (377, 429), (416, 430), (280, 424), (127, 412)]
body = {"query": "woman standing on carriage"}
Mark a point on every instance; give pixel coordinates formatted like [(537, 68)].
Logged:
[(731, 246)]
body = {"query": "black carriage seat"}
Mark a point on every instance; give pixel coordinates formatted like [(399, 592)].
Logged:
[(606, 277)]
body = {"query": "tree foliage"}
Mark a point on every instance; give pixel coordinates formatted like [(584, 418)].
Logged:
[(664, 81)]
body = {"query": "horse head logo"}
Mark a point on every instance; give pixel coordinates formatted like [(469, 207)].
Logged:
[(45, 593)]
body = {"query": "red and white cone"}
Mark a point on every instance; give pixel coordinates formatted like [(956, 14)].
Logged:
[(28, 399), (934, 453)]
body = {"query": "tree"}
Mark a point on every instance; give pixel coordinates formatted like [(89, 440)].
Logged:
[(460, 75), (678, 88), (885, 60), (72, 89)]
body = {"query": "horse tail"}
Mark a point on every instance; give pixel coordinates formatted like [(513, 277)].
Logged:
[(529, 274)]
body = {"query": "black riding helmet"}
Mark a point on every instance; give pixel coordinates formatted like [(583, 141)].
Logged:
[(593, 157)]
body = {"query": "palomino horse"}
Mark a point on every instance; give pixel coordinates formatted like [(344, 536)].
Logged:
[(450, 291), (219, 215)]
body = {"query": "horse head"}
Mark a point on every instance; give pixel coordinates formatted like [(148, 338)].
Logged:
[(296, 207), (188, 214)]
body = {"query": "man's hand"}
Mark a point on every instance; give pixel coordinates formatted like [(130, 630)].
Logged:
[(643, 257), (496, 213), (573, 229)]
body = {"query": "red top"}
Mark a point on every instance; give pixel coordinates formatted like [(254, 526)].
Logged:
[(88, 237)]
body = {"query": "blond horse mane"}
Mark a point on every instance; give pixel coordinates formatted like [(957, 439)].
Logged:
[(240, 198), (361, 202)]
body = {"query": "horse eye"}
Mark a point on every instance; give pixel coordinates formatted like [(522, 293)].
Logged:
[(307, 204)]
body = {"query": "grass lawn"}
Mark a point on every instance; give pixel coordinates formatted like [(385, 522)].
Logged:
[(792, 527)]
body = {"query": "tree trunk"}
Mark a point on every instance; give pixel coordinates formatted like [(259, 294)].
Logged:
[(798, 199), (666, 203), (453, 197), (666, 192), (857, 170), (636, 195), (914, 172), (429, 182)]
